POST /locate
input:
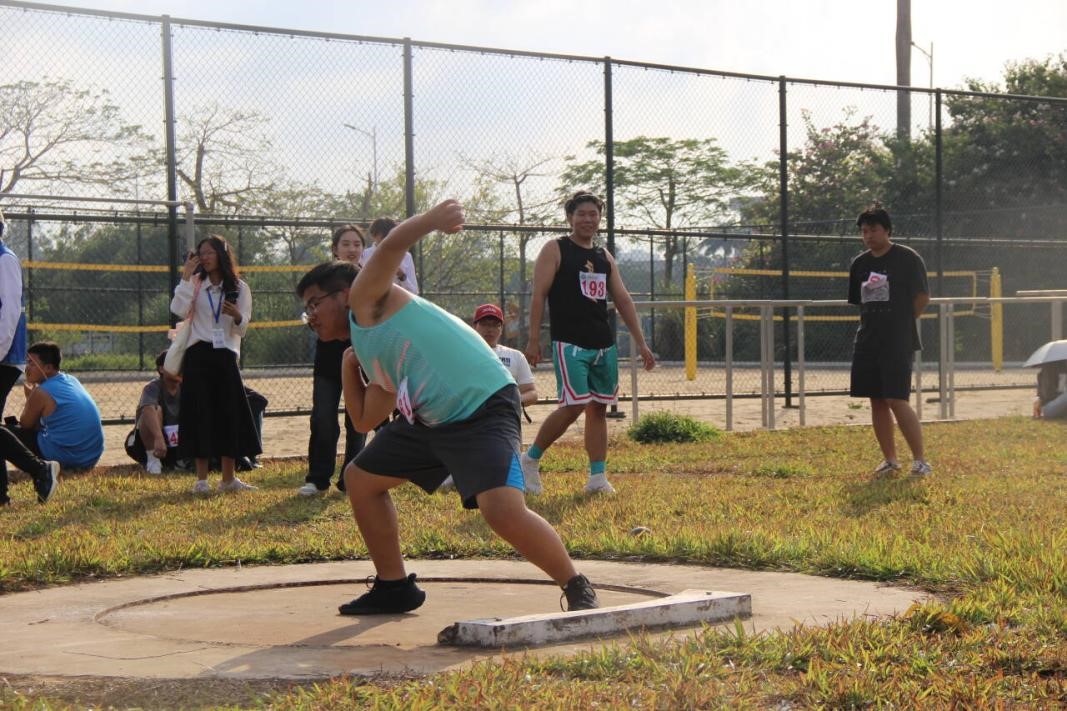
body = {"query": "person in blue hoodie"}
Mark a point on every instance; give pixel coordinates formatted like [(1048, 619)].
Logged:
[(60, 421)]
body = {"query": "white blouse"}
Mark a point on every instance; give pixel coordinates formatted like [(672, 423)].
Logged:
[(203, 322)]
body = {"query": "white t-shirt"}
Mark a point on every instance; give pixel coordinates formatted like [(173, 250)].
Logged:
[(407, 268), (516, 363)]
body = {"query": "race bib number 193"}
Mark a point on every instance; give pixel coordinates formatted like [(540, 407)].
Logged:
[(594, 286)]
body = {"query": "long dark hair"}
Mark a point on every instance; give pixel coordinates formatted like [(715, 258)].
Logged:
[(227, 262)]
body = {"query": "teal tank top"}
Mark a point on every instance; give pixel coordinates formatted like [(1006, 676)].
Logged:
[(440, 369)]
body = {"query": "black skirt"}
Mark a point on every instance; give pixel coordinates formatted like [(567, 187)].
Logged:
[(215, 419)]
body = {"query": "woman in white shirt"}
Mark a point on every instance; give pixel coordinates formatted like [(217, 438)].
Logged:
[(214, 419)]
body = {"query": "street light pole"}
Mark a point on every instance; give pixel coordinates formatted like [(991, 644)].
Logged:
[(373, 136), (930, 60)]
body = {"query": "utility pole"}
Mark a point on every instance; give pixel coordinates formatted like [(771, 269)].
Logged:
[(903, 68), (930, 59)]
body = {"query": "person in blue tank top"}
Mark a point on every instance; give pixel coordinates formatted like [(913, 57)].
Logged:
[(60, 420), (459, 415)]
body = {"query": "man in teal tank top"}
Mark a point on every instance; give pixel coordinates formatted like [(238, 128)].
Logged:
[(459, 415)]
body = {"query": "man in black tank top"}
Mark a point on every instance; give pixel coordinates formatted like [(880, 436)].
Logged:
[(576, 277)]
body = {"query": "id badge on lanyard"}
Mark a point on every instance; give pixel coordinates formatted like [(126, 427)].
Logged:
[(218, 337)]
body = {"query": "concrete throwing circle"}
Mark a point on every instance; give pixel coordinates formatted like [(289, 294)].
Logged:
[(282, 622)]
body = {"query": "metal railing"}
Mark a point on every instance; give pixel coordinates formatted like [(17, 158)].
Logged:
[(946, 364)]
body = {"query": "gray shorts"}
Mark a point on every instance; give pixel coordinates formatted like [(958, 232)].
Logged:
[(480, 453)]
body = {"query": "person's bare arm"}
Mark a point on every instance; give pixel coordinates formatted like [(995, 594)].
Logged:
[(922, 299), (367, 405), (375, 280), (37, 402), (545, 269), (624, 304), (528, 394)]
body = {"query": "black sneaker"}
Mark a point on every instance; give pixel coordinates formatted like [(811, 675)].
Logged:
[(45, 483), (580, 594), (386, 597)]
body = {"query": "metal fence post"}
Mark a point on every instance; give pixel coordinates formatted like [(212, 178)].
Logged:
[(30, 315), (800, 363), (1057, 320), (942, 366), (609, 194), (767, 365), (190, 228), (728, 326), (171, 159), (783, 208), (633, 379), (140, 299), (918, 381), (503, 305), (951, 360), (409, 137)]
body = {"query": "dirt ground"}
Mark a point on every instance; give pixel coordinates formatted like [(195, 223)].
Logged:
[(290, 390), (286, 437)]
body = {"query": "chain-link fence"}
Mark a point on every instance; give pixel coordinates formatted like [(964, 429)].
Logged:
[(274, 136)]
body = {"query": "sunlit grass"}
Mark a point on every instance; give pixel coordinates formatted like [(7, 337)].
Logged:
[(987, 533)]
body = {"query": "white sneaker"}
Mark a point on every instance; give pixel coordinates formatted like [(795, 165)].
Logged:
[(599, 484), (887, 467), (921, 467), (308, 489), (447, 485), (201, 487), (235, 484), (152, 464), (531, 474)]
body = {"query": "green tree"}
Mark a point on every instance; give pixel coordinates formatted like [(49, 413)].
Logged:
[(1006, 159), (661, 183)]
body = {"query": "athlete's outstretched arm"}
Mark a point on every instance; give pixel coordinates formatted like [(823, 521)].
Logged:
[(376, 277)]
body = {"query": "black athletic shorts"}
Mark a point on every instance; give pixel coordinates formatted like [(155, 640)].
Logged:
[(481, 452), (881, 375)]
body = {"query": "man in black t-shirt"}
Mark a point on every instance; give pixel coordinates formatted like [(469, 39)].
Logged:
[(888, 283), (576, 277)]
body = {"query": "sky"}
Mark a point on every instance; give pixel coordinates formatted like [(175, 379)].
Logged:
[(844, 40), (471, 109)]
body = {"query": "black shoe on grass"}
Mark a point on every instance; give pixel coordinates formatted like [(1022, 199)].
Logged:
[(580, 594), (45, 483), (387, 597)]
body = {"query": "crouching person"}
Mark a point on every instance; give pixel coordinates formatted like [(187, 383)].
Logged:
[(460, 415)]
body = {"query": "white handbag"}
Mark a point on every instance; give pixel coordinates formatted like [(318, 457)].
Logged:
[(179, 338)]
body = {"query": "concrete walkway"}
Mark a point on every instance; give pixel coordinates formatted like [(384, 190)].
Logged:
[(282, 622)]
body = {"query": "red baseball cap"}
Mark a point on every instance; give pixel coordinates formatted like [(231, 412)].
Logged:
[(488, 311)]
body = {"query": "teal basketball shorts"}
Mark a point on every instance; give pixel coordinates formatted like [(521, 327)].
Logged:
[(585, 375)]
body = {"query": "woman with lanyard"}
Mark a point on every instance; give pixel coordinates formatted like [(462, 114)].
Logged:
[(214, 419)]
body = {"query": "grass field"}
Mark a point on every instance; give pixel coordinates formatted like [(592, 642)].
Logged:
[(987, 534)]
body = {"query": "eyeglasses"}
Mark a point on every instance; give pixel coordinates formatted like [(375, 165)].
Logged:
[(312, 305)]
